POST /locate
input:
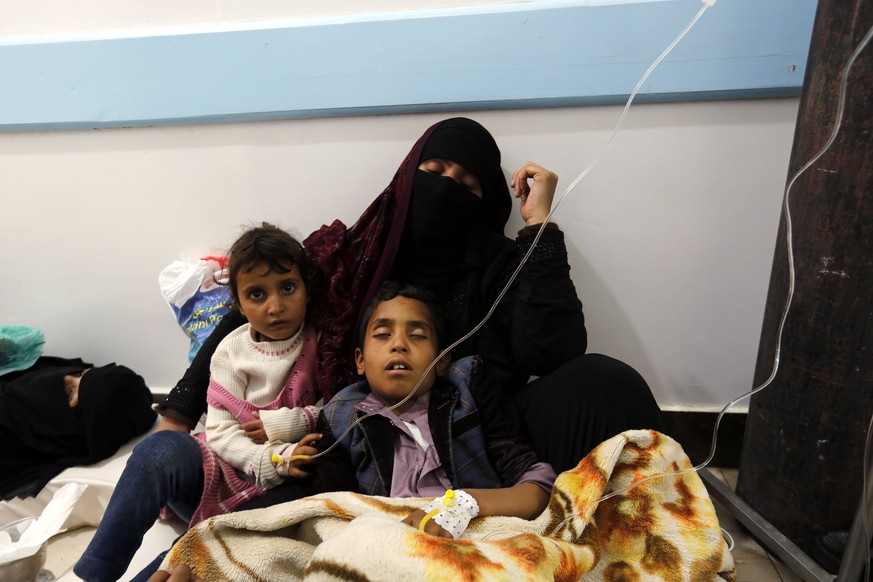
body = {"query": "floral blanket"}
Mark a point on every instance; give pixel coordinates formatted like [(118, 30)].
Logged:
[(662, 529)]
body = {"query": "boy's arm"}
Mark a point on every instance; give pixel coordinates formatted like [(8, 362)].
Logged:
[(511, 456), (525, 500)]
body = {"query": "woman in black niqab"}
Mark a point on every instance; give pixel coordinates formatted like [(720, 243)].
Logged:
[(41, 433), (429, 229)]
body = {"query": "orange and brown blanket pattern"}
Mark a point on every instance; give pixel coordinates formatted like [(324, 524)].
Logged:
[(663, 529)]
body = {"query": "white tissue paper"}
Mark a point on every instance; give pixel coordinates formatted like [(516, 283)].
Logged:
[(48, 524)]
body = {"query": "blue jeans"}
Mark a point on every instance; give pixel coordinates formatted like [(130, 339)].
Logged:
[(166, 468)]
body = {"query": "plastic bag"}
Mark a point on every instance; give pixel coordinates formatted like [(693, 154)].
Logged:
[(20, 347), (197, 300)]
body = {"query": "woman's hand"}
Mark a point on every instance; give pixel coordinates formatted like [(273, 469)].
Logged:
[(431, 527), (536, 197), (254, 429)]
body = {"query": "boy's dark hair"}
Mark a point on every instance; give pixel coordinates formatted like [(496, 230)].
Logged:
[(267, 244), (391, 289)]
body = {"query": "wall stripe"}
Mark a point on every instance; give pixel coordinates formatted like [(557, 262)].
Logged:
[(535, 54)]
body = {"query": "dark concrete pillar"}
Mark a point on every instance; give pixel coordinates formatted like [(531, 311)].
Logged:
[(801, 464)]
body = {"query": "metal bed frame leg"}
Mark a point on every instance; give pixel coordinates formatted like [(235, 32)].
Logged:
[(770, 537), (857, 550)]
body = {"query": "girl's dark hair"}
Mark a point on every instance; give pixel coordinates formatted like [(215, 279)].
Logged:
[(267, 244), (392, 289)]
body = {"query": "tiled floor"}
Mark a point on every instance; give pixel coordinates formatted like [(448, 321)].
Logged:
[(64, 549), (753, 563)]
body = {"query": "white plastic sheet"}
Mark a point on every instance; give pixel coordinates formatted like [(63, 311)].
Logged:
[(46, 525)]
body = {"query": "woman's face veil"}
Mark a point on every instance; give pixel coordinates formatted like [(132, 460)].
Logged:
[(467, 143), (445, 217)]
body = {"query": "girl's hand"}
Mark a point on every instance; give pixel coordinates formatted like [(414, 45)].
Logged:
[(296, 468), (536, 198), (254, 429), (431, 527)]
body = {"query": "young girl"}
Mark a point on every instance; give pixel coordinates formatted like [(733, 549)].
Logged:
[(261, 401), (261, 389)]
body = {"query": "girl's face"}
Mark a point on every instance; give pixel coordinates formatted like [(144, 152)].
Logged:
[(273, 303), (455, 171)]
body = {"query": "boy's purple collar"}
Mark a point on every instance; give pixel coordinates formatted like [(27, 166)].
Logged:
[(372, 404)]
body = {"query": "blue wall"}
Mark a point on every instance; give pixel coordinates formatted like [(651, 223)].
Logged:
[(535, 54)]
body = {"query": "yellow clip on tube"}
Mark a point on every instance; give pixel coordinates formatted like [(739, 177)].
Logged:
[(426, 518), (281, 460)]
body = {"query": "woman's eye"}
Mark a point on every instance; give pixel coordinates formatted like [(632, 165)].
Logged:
[(432, 167), (470, 182)]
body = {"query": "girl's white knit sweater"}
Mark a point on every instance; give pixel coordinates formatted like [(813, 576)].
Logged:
[(256, 372)]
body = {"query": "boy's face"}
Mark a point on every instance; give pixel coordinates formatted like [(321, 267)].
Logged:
[(399, 343), (273, 303)]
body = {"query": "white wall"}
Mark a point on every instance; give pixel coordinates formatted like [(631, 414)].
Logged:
[(671, 236)]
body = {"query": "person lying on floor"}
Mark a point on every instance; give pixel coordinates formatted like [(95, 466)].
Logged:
[(64, 412)]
